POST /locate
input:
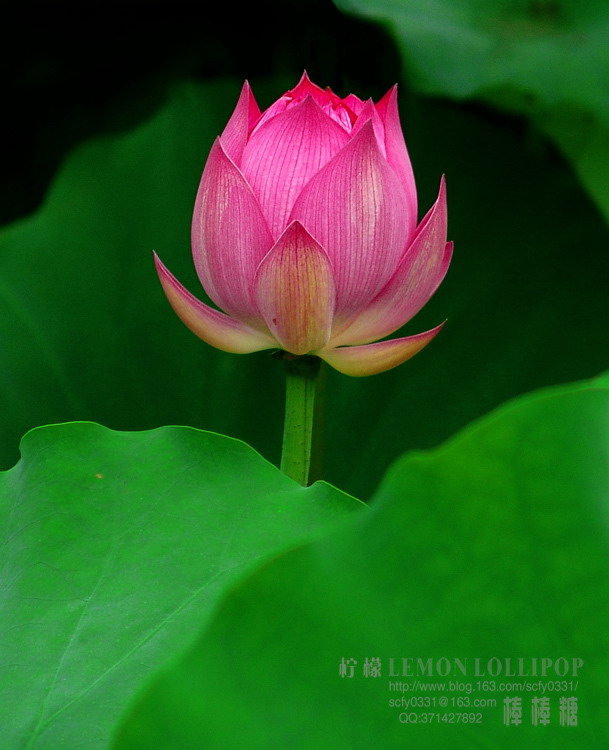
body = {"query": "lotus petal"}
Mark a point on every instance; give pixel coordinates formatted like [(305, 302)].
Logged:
[(295, 291), (355, 209), (417, 277), (243, 119), (369, 113), (283, 154), (371, 359), (397, 153), (214, 327), (230, 236)]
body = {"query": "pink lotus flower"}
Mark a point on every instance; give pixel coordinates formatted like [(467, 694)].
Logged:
[(305, 233)]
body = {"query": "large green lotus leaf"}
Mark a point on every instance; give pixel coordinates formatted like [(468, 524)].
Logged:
[(116, 546), (492, 547), (545, 58), (85, 330), (87, 333)]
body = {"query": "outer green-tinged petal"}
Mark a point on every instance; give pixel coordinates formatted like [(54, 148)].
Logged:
[(214, 327), (243, 119), (295, 291), (417, 277), (371, 359)]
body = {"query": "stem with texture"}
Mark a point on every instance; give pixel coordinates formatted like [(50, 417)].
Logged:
[(301, 382)]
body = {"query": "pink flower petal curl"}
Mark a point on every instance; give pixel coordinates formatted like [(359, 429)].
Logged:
[(370, 359), (212, 326)]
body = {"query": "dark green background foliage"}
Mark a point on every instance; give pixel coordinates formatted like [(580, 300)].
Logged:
[(487, 543)]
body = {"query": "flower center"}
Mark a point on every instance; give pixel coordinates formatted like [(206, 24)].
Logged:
[(326, 99), (339, 111)]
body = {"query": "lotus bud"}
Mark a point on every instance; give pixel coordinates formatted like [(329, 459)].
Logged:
[(305, 233)]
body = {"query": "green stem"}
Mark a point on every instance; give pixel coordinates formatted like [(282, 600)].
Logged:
[(301, 381)]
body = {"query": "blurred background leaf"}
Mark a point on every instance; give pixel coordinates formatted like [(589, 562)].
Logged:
[(546, 59), (494, 545), (116, 547)]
